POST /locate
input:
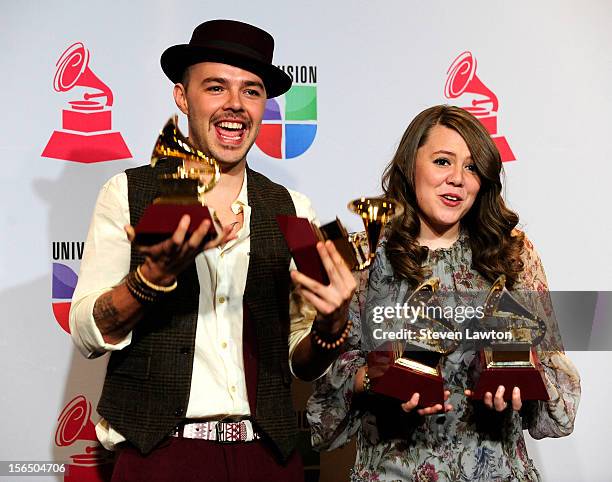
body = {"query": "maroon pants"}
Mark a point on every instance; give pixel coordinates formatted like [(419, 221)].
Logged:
[(186, 460)]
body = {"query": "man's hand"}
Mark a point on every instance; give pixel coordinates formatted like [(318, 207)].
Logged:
[(498, 403), (165, 260), (331, 301), (116, 312)]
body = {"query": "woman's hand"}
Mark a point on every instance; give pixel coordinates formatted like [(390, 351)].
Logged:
[(410, 404), (437, 408), (498, 403)]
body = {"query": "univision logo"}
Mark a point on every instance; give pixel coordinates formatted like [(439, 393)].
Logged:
[(64, 279), (290, 121)]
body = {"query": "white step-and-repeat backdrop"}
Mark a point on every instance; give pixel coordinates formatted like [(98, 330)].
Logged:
[(538, 75)]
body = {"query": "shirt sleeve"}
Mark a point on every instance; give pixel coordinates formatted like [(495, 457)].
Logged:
[(105, 262), (301, 313), (333, 414)]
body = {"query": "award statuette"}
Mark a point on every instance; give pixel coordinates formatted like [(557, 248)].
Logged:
[(514, 363), (302, 237), (399, 369), (181, 192), (357, 249), (375, 212)]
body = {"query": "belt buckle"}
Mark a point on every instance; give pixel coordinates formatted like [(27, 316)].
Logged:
[(230, 432)]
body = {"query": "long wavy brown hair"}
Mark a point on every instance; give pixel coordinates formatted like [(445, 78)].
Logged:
[(496, 245)]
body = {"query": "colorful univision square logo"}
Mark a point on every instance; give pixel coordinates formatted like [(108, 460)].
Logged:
[(63, 284), (290, 123)]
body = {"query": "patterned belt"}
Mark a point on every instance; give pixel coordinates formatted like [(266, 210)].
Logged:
[(219, 431)]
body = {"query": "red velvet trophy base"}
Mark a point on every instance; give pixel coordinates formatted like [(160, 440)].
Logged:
[(530, 380), (401, 382), (159, 221), (302, 242), (302, 238)]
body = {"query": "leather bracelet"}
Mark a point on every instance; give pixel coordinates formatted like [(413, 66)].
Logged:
[(331, 344), (153, 286)]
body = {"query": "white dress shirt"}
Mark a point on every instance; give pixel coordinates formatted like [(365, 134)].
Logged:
[(218, 387)]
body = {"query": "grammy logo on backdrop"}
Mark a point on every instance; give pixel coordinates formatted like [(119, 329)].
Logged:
[(463, 82), (75, 429), (86, 134)]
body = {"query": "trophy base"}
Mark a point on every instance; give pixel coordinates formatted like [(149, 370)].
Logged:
[(403, 377), (302, 237), (529, 377), (159, 221), (302, 240)]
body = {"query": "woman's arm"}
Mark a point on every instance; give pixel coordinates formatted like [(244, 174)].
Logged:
[(553, 418)]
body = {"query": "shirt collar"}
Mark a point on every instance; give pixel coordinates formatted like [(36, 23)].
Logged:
[(243, 197)]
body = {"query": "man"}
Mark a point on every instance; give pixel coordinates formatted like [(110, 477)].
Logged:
[(202, 335)]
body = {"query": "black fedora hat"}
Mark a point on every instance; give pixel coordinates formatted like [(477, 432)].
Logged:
[(228, 42)]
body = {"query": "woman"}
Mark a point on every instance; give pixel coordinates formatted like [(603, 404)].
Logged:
[(455, 226)]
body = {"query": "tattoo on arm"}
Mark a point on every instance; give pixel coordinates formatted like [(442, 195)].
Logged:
[(104, 310)]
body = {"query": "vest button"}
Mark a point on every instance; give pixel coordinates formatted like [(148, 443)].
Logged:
[(178, 412), (184, 350)]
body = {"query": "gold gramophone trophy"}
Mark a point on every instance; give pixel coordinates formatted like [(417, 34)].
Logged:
[(357, 249), (375, 213), (180, 191), (401, 368), (511, 363)]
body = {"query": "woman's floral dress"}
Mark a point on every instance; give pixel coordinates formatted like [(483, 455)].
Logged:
[(470, 443)]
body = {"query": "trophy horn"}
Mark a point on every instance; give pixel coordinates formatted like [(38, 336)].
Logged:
[(462, 78), (73, 69), (501, 305), (431, 316), (375, 213), (172, 143)]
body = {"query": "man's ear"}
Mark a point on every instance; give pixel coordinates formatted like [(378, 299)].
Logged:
[(180, 97)]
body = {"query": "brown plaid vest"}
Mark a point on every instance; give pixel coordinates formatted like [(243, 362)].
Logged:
[(147, 384)]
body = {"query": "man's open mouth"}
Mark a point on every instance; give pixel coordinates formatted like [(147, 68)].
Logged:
[(230, 131)]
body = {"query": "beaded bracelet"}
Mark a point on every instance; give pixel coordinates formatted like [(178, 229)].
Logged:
[(154, 287), (144, 290), (327, 344), (367, 383), (136, 289)]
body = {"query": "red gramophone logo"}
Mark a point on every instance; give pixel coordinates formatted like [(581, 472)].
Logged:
[(463, 82), (86, 126), (75, 428)]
